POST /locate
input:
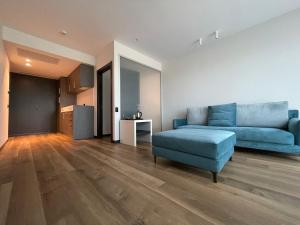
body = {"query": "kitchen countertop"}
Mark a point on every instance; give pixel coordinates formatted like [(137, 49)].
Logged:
[(67, 108)]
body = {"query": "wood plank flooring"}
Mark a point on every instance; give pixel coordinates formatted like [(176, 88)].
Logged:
[(51, 179)]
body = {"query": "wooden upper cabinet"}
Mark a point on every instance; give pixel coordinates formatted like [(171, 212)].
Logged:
[(81, 79), (65, 97)]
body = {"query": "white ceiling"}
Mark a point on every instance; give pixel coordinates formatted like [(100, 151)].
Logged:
[(43, 64), (165, 28)]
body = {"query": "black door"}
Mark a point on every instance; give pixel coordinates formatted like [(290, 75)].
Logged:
[(32, 105), (104, 101)]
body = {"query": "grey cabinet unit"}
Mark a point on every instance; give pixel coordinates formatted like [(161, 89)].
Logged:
[(65, 98), (81, 79), (78, 123)]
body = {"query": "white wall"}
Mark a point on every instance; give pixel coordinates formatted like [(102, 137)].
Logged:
[(121, 50), (150, 98), (257, 65), (112, 53), (4, 88)]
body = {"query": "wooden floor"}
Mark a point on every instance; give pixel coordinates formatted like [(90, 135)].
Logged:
[(51, 179)]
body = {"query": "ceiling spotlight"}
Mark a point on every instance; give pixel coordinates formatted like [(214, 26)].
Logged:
[(200, 41), (28, 64), (63, 32), (217, 34), (28, 60)]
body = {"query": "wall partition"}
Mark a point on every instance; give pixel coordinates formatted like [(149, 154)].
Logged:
[(140, 91)]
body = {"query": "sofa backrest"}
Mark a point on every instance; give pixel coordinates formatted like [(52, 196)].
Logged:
[(197, 116), (271, 114), (293, 113)]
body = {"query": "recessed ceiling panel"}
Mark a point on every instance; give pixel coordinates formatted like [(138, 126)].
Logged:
[(39, 63), (37, 56)]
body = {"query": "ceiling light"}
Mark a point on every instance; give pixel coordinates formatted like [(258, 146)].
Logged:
[(217, 34), (63, 32), (28, 64), (28, 60), (200, 41)]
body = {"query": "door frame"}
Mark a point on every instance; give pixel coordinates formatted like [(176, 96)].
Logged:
[(102, 70)]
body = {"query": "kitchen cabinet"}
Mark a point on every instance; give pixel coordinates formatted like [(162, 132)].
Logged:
[(65, 98), (77, 121), (81, 79)]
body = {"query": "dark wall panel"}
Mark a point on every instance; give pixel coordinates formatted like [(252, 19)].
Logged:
[(130, 92), (33, 105)]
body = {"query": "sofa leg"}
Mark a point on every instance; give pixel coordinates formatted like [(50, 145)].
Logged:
[(215, 177), (154, 157), (230, 158)]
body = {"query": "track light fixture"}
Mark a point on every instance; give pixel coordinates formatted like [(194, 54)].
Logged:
[(217, 34)]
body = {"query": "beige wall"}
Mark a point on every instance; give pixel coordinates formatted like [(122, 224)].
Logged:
[(4, 97), (86, 97)]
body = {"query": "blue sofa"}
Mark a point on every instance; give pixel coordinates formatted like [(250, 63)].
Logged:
[(269, 139)]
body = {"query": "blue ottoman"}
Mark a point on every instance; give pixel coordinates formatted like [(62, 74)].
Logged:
[(206, 149)]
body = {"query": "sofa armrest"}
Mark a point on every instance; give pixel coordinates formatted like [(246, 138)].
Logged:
[(179, 122), (294, 128)]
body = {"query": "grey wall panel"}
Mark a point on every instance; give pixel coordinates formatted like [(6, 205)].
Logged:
[(33, 105), (106, 100), (83, 122), (130, 92), (86, 75)]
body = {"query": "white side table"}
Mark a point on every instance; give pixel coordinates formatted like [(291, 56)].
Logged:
[(128, 130)]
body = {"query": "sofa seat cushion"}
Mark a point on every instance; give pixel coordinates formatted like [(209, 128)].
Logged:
[(255, 134), (207, 143)]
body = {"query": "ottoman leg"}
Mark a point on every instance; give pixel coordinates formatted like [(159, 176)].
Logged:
[(215, 177), (154, 157)]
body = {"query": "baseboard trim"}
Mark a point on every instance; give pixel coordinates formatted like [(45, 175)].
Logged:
[(3, 145), (103, 136), (28, 134)]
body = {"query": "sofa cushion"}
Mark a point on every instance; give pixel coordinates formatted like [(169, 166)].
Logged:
[(254, 134), (206, 143), (197, 115), (268, 135), (222, 115), (273, 114)]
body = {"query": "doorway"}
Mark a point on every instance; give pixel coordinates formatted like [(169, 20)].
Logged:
[(104, 101)]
